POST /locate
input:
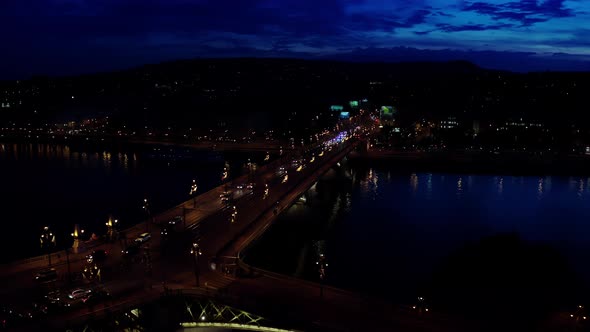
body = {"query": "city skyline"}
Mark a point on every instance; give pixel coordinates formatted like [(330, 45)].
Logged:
[(65, 37)]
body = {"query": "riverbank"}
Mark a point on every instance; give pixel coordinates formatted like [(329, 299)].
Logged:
[(110, 141), (476, 163)]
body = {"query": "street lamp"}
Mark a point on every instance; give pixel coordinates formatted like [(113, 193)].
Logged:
[(111, 228), (146, 209), (193, 192), (322, 265), (47, 240), (196, 252), (234, 214)]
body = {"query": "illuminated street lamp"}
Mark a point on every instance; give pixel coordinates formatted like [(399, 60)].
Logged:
[(47, 240), (322, 265), (146, 210), (76, 235), (193, 192), (111, 228), (234, 214), (196, 252)]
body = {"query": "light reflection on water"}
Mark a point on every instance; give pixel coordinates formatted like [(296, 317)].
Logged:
[(71, 184), (413, 221), (64, 154)]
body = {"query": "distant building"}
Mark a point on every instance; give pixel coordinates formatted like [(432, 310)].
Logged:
[(520, 124), (449, 123)]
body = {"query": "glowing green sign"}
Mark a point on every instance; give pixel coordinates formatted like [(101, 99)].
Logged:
[(387, 111)]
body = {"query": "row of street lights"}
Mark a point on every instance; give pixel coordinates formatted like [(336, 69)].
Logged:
[(48, 238)]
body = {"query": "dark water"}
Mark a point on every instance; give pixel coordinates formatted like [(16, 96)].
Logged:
[(400, 235), (61, 185)]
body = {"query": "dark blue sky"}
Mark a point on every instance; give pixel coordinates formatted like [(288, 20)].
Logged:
[(76, 36)]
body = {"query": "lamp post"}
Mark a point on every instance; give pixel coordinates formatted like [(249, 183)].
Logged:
[(47, 240), (146, 209), (250, 167), (322, 265), (193, 192), (196, 252), (77, 246), (111, 228), (265, 195), (234, 214)]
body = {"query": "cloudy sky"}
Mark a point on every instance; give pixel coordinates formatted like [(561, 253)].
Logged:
[(60, 37)]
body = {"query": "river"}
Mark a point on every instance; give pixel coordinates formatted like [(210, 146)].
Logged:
[(400, 235), (59, 186)]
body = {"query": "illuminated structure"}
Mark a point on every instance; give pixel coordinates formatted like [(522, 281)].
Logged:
[(77, 246), (387, 112)]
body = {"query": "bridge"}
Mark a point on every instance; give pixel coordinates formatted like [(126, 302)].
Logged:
[(203, 262)]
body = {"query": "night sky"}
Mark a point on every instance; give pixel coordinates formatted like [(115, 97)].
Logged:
[(61, 37)]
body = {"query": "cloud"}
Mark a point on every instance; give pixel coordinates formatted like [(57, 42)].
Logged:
[(471, 27), (527, 12), (99, 33)]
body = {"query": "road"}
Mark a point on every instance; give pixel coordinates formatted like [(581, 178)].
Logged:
[(206, 215)]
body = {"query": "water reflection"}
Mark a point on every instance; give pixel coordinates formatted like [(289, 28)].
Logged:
[(66, 156), (414, 183), (418, 228), (84, 158), (370, 185), (429, 187)]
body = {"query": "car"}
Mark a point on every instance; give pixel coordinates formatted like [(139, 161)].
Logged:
[(131, 250), (176, 220), (250, 185), (240, 186), (225, 196), (164, 233), (96, 297), (52, 297), (46, 275), (143, 238), (79, 293), (98, 255)]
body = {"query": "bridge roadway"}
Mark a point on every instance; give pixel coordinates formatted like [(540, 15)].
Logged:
[(259, 291)]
